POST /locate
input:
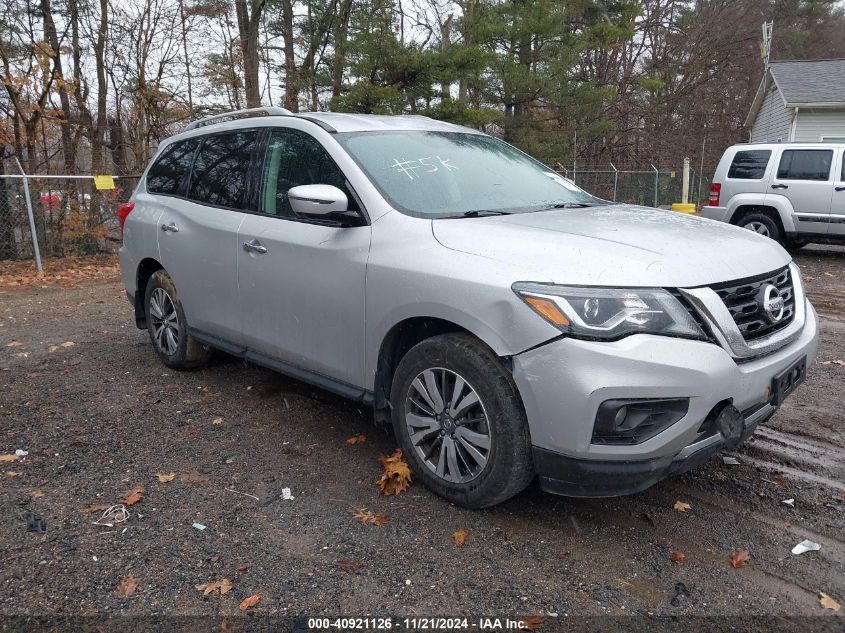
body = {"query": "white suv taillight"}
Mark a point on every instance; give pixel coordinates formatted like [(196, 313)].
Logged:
[(715, 192)]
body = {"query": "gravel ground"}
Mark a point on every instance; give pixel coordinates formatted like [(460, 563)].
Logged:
[(102, 416)]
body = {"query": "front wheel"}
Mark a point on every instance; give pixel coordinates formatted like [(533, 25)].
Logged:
[(168, 327), (460, 421)]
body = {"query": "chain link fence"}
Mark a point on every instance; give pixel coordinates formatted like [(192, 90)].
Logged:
[(650, 187), (71, 216)]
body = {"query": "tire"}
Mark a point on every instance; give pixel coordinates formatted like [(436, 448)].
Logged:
[(762, 224), (168, 327), (507, 465)]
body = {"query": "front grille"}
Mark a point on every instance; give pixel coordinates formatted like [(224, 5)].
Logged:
[(740, 298)]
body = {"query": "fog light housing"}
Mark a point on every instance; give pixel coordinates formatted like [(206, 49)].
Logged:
[(623, 421)]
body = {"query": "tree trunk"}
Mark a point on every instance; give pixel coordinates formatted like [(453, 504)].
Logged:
[(97, 162), (249, 21), (68, 147)]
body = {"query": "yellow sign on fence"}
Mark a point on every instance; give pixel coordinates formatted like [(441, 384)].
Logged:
[(103, 182)]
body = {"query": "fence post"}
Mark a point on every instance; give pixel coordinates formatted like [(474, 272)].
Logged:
[(29, 212), (615, 180), (656, 183)]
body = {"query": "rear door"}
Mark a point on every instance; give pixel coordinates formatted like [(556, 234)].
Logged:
[(804, 176), (837, 206), (198, 234), (301, 280)]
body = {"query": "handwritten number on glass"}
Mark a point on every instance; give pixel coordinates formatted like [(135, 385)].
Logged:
[(425, 165)]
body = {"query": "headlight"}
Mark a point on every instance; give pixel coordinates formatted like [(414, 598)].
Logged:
[(609, 313)]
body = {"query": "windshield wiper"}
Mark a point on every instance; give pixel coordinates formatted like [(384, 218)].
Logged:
[(568, 205), (479, 213)]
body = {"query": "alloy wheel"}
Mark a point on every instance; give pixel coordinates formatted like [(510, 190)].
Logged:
[(447, 425), (165, 321), (757, 227)]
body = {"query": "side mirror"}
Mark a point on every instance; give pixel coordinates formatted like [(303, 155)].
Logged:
[(317, 200)]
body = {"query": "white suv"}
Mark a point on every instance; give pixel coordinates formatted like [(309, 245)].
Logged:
[(791, 192), (506, 322)]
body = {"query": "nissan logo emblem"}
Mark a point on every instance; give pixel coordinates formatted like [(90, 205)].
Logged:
[(771, 302)]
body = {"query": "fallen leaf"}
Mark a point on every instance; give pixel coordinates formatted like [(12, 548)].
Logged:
[(36, 494), (779, 479), (532, 622), (9, 457), (396, 477), (460, 537), (682, 506), (349, 566), (828, 603), (217, 421), (740, 558), (370, 518), (357, 439), (830, 274), (96, 507), (165, 477), (13, 473), (53, 348), (14, 344), (220, 586), (127, 586), (133, 496), (68, 344), (678, 557), (834, 362), (242, 568), (193, 477), (250, 602)]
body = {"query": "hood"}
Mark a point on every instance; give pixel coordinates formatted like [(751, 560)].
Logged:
[(615, 245)]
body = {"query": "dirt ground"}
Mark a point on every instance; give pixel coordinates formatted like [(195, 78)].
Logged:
[(82, 391)]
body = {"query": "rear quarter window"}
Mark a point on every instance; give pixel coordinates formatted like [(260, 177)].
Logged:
[(749, 164), (805, 164), (167, 173)]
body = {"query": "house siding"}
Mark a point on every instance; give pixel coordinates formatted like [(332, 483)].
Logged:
[(773, 120), (812, 125)]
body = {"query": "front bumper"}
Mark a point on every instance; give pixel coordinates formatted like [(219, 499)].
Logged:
[(563, 383)]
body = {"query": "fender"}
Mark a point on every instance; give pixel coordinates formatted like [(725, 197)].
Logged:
[(779, 203)]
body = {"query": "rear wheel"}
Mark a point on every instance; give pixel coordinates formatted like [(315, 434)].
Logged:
[(460, 422), (762, 224), (168, 327)]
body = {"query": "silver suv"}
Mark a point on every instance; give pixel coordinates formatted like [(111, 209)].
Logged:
[(793, 193), (505, 322)]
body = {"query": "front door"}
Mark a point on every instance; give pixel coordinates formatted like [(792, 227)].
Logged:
[(804, 176), (837, 205), (301, 280)]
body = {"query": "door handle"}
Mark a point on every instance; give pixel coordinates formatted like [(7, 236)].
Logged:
[(839, 188), (780, 186), (170, 227), (254, 246)]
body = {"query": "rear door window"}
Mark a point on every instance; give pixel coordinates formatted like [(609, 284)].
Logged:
[(167, 173), (805, 164), (220, 176), (750, 164)]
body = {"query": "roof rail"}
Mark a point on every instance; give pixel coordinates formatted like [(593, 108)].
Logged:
[(237, 114)]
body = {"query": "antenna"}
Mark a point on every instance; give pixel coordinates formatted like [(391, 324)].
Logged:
[(766, 47)]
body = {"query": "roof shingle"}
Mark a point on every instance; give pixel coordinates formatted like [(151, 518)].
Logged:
[(810, 81)]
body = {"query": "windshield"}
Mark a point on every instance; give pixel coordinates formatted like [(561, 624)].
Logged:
[(452, 174)]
